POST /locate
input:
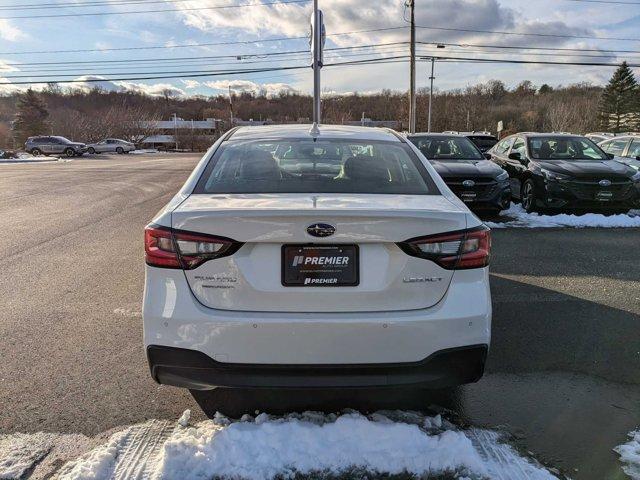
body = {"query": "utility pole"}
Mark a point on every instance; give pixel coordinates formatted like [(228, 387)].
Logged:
[(412, 69), (230, 108), (431, 78)]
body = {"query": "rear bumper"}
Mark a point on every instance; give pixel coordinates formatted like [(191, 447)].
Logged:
[(195, 370), (236, 348)]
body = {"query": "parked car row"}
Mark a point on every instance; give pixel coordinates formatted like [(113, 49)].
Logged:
[(542, 171), (56, 145)]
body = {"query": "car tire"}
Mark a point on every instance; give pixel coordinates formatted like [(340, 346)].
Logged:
[(36, 152), (91, 150), (528, 196), (69, 152), (119, 150)]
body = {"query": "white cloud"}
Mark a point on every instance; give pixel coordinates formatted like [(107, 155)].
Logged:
[(242, 86), (155, 90), (352, 15), (10, 32), (189, 84)]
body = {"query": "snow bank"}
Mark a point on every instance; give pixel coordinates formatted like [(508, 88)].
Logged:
[(517, 217), (99, 463), (20, 451), (630, 455), (140, 151), (267, 447), (27, 158)]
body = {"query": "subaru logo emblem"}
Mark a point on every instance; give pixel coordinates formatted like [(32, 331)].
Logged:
[(321, 230), (468, 183), (604, 183)]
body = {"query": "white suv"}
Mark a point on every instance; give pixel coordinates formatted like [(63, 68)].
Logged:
[(291, 259)]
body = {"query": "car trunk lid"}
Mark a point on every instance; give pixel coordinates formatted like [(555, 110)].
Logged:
[(252, 278)]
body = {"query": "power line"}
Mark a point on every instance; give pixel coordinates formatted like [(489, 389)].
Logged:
[(607, 2), (213, 73), (34, 70), (37, 77), (41, 75), (96, 3), (502, 32), (380, 60), (192, 45), (532, 62), (210, 57), (514, 47), (188, 9)]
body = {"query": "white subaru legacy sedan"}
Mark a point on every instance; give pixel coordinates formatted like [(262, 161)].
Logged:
[(331, 259)]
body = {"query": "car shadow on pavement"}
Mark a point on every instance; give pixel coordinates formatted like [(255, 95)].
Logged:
[(236, 402)]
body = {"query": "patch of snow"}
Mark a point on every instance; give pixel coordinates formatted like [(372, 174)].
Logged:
[(183, 421), (285, 446), (267, 447), (99, 463), (28, 158), (517, 217), (19, 452), (141, 151), (630, 455)]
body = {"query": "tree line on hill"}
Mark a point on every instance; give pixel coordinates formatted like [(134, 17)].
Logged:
[(92, 115)]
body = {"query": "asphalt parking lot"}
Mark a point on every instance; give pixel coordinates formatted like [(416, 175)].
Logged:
[(563, 374)]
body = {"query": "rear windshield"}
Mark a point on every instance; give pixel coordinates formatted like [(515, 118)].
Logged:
[(565, 148), (447, 148), (323, 166)]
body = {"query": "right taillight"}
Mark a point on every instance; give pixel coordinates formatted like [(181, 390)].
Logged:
[(169, 248), (454, 250)]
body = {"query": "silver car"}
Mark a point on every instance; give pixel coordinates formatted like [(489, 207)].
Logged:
[(50, 145), (626, 149), (111, 145)]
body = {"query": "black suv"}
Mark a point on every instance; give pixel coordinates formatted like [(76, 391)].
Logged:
[(44, 145), (466, 171), (563, 171)]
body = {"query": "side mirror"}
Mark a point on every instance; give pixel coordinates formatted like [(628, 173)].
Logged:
[(515, 156), (487, 155), (611, 156)]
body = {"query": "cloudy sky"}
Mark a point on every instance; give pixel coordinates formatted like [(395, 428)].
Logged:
[(184, 39)]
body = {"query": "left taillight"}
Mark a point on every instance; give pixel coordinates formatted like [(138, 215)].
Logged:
[(168, 248), (458, 250)]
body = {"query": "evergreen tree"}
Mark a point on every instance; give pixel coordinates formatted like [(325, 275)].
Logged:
[(620, 102), (545, 88), (31, 117)]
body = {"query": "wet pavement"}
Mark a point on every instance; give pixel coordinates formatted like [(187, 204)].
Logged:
[(563, 376)]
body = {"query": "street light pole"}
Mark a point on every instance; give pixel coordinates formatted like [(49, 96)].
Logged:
[(317, 44)]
